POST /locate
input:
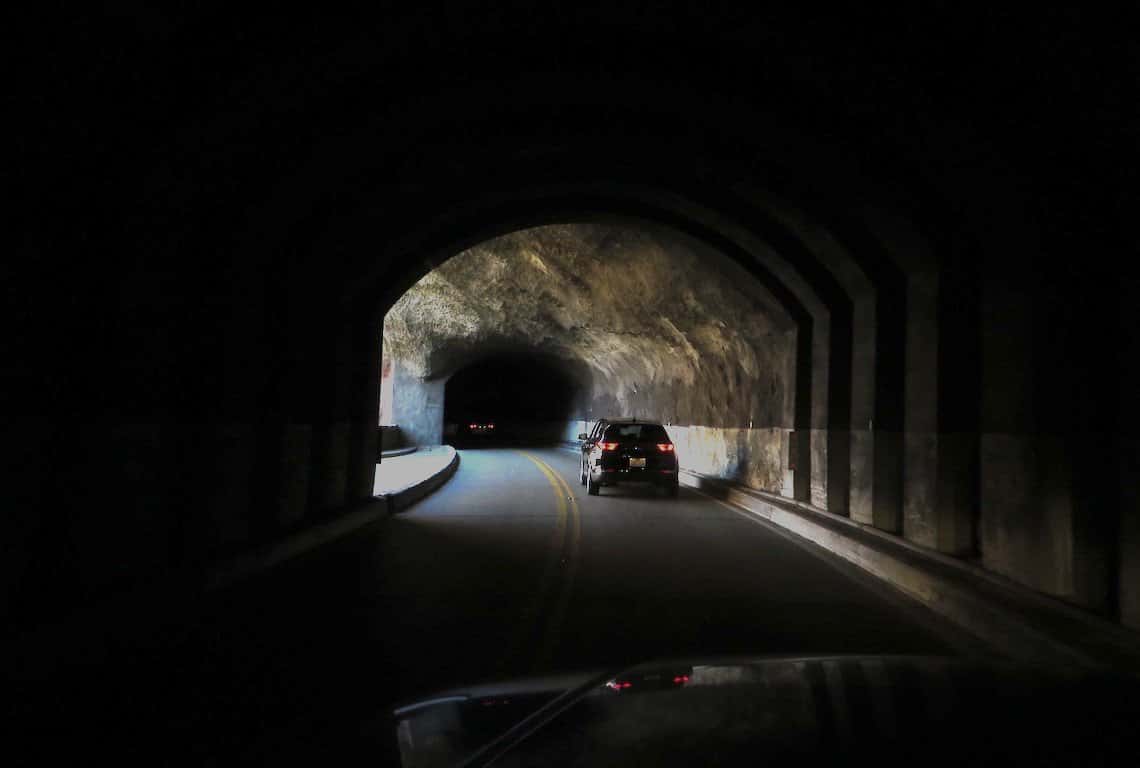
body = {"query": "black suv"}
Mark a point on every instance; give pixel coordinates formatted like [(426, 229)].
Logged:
[(628, 451)]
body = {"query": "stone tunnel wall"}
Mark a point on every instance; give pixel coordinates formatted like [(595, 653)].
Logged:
[(653, 325)]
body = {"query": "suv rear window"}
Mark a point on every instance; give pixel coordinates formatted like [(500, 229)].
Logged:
[(645, 433)]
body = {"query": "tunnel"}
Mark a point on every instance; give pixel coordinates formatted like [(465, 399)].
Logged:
[(524, 398), (871, 270)]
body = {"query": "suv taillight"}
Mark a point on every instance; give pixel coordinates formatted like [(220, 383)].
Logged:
[(608, 446), (665, 447)]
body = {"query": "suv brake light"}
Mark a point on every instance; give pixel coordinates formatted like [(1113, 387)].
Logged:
[(608, 446), (665, 447)]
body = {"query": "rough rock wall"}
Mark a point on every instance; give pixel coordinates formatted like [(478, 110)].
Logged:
[(665, 328), (419, 405)]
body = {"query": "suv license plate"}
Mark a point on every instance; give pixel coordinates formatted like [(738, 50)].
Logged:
[(637, 463)]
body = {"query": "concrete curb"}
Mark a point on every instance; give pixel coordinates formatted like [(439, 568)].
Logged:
[(398, 452), (270, 555), (405, 497), (1014, 620)]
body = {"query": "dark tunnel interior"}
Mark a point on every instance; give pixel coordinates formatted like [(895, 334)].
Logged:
[(872, 268), (526, 397)]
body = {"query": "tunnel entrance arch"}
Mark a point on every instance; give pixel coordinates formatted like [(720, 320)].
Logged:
[(847, 441), (835, 343), (486, 181), (806, 424), (649, 323)]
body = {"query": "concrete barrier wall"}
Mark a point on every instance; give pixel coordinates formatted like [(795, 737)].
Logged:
[(1008, 617)]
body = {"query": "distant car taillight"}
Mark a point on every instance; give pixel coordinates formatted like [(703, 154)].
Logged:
[(665, 447), (608, 446)]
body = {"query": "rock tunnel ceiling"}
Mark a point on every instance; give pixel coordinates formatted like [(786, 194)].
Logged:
[(651, 323)]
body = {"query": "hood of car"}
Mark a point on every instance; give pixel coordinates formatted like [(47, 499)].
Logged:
[(778, 710)]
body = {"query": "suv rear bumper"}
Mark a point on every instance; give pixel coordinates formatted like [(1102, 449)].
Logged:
[(614, 476)]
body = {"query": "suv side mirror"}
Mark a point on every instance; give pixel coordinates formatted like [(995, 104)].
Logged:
[(583, 436)]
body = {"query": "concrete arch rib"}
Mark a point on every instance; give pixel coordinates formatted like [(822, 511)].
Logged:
[(877, 296), (918, 319), (938, 508)]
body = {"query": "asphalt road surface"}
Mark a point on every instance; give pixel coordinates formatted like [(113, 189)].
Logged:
[(510, 569)]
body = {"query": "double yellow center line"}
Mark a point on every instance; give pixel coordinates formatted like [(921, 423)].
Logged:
[(562, 561)]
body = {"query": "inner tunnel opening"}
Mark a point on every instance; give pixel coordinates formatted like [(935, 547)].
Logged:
[(511, 398)]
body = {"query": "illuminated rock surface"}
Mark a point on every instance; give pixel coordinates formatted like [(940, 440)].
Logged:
[(662, 327)]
